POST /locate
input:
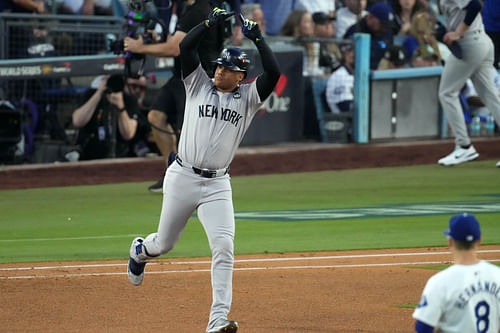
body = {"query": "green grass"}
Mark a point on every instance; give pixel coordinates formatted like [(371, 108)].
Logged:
[(98, 222)]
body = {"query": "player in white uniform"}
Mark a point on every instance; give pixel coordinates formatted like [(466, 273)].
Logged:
[(217, 114), (465, 27), (465, 297)]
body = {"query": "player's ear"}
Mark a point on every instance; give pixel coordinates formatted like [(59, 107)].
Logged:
[(241, 76)]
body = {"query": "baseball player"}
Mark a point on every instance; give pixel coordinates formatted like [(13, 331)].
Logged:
[(464, 297), (217, 114), (465, 28)]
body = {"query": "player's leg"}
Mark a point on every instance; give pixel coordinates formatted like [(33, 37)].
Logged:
[(217, 216), (179, 201), (483, 80), (455, 74)]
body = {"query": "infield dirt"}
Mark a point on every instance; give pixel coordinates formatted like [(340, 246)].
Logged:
[(355, 291)]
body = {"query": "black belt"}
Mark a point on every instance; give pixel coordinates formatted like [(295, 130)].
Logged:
[(202, 172)]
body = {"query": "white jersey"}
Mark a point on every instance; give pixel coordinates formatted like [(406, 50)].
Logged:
[(454, 13), (344, 19), (339, 88), (462, 298), (313, 6), (214, 122)]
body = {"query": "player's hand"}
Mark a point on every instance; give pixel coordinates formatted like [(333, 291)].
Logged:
[(450, 37), (250, 29), (217, 16), (133, 45)]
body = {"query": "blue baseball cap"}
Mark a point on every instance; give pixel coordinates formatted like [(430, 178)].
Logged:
[(464, 227), (382, 11)]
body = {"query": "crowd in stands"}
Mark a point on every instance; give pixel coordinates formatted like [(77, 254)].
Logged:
[(403, 32)]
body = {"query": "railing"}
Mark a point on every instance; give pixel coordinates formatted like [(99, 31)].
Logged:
[(71, 35)]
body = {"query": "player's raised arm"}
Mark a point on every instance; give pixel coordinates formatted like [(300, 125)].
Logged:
[(189, 45), (267, 80)]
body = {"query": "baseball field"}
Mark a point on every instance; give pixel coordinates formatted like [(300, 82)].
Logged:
[(328, 251)]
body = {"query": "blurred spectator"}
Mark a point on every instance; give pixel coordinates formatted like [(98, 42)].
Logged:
[(323, 25), (346, 16), (403, 14), (77, 7), (491, 20), (340, 86), (17, 40), (300, 24), (329, 53), (313, 6), (429, 59), (377, 23), (422, 36), (23, 6), (394, 58), (275, 13), (108, 119), (103, 7)]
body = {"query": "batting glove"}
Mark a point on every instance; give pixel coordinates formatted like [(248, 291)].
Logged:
[(216, 16), (251, 29)]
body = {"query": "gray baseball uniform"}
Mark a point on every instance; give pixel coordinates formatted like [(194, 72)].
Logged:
[(476, 64), (215, 120)]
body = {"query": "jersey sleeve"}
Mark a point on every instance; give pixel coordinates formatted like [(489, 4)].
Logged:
[(254, 101), (430, 307), (195, 81)]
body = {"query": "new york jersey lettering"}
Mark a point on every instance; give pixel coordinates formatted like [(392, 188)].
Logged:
[(211, 111)]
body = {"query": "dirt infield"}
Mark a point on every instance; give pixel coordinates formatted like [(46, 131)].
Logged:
[(355, 291)]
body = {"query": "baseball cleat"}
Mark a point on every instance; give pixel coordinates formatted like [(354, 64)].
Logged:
[(498, 164), (460, 155), (135, 268), (224, 326), (156, 187)]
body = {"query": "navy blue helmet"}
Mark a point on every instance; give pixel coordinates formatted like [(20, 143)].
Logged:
[(234, 59)]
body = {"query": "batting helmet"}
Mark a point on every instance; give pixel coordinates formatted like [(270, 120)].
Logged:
[(234, 59)]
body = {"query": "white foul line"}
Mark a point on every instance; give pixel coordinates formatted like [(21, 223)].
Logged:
[(236, 261), (236, 269), (241, 260)]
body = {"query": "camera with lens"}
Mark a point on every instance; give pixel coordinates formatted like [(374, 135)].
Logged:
[(115, 83), (139, 21)]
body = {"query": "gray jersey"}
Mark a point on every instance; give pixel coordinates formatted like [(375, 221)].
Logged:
[(462, 298), (454, 13), (215, 122)]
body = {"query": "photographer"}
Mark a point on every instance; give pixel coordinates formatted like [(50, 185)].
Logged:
[(100, 136)]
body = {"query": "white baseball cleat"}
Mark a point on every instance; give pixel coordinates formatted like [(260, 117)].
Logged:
[(498, 164), (136, 262), (460, 155), (224, 326)]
